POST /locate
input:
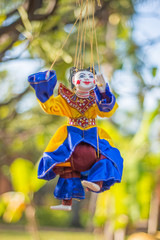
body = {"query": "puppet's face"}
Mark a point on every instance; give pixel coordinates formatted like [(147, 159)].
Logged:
[(84, 81)]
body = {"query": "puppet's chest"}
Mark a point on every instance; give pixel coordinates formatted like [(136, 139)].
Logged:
[(84, 106)]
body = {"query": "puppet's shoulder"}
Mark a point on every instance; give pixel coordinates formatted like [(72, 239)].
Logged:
[(64, 91)]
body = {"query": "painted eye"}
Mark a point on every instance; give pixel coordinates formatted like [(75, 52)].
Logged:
[(81, 76), (91, 76)]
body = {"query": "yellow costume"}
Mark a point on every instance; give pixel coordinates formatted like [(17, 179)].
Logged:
[(59, 106), (81, 128)]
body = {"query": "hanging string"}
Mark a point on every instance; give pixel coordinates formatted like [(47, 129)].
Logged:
[(80, 48), (84, 40), (80, 54), (81, 38), (78, 39), (92, 37), (79, 60), (90, 34), (80, 43), (66, 38), (96, 41), (93, 9)]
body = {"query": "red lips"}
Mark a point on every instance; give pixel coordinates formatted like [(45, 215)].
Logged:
[(87, 83)]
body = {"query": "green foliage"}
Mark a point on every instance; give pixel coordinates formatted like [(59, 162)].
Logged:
[(130, 200), (56, 235), (46, 217), (24, 135), (12, 205), (25, 183), (4, 112), (24, 177), (154, 71), (2, 18), (144, 192), (3, 74)]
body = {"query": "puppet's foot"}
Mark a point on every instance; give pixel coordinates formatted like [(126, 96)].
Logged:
[(92, 186), (66, 205), (62, 207)]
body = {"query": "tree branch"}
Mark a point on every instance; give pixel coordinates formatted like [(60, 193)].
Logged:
[(14, 11), (32, 17), (15, 98), (15, 38)]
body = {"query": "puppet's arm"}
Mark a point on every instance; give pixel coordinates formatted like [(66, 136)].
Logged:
[(44, 84), (106, 101)]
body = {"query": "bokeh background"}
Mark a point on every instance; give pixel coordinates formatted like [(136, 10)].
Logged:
[(31, 34)]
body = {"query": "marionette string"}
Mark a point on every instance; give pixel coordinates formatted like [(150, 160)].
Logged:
[(76, 58), (96, 39), (79, 55), (85, 27), (67, 38), (81, 36)]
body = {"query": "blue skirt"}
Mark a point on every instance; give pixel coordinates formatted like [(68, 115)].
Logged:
[(108, 170)]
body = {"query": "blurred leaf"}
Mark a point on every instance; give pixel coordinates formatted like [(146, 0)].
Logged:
[(121, 221), (2, 206), (21, 170), (24, 177), (3, 74), (2, 18), (123, 30), (17, 144), (4, 111), (15, 205), (39, 140), (154, 71), (144, 192), (17, 43), (36, 183), (5, 44), (143, 133), (103, 202)]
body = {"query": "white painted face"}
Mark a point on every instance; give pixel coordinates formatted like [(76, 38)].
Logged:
[(84, 81)]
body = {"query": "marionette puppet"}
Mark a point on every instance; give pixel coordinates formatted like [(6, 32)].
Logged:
[(80, 152)]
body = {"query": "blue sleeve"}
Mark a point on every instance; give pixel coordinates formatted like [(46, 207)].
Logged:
[(43, 84), (105, 101)]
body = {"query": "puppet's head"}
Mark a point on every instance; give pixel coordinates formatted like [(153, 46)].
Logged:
[(82, 79)]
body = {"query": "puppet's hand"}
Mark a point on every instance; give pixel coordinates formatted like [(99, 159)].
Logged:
[(43, 84), (104, 98), (101, 83), (41, 77)]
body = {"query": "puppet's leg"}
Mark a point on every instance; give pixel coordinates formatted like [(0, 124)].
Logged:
[(95, 185), (104, 171), (69, 186)]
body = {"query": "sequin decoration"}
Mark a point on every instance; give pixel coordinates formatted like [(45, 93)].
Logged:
[(80, 104)]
